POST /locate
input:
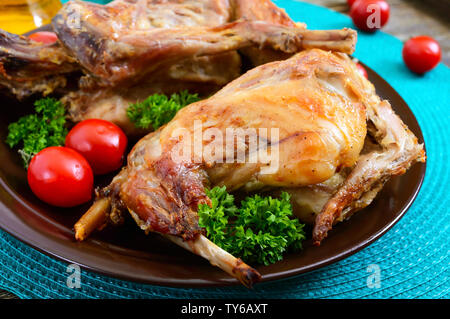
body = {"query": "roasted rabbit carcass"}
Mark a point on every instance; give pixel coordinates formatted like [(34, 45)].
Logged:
[(131, 49), (323, 111), (195, 42)]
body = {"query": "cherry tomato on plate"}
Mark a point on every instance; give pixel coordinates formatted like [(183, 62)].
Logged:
[(362, 70), (102, 143), (61, 177), (44, 37), (421, 54), (370, 15)]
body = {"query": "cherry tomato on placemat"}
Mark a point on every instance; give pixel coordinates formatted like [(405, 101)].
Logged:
[(102, 143), (44, 37), (421, 54), (362, 70), (370, 15), (61, 177)]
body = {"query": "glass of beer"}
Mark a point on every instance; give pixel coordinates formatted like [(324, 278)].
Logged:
[(20, 16)]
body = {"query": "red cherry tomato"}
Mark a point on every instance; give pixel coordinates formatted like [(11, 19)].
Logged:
[(44, 37), (362, 70), (102, 143), (421, 54), (61, 177), (370, 15)]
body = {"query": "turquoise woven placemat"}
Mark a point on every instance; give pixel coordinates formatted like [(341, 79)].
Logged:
[(412, 257)]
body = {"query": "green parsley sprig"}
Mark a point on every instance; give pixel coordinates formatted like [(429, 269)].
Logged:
[(158, 109), (40, 130), (260, 231)]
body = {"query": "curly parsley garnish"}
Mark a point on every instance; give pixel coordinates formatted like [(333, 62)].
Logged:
[(158, 109), (260, 231), (40, 130)]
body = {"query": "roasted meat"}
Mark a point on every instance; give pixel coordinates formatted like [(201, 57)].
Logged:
[(319, 111), (131, 50), (114, 52), (28, 67)]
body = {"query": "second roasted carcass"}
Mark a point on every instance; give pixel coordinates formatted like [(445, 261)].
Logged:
[(310, 114), (28, 67)]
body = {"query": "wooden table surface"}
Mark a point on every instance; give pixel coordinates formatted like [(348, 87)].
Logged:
[(407, 18)]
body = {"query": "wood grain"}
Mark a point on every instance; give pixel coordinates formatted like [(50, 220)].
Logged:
[(407, 18)]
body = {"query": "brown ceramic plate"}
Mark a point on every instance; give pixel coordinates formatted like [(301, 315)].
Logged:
[(127, 253)]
